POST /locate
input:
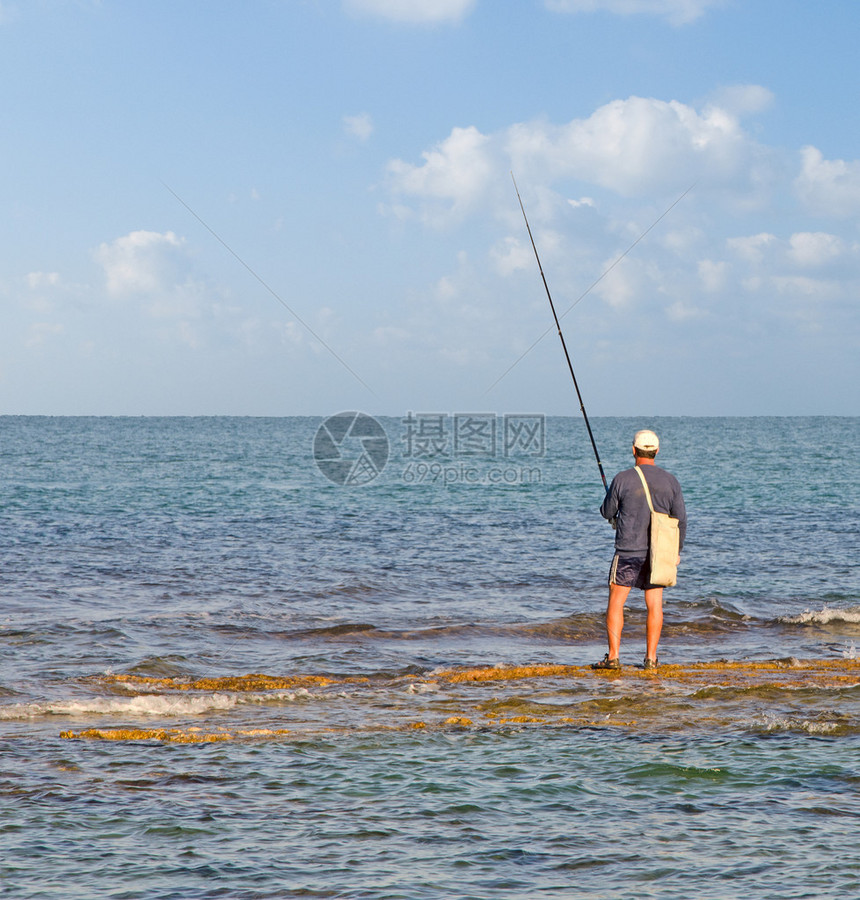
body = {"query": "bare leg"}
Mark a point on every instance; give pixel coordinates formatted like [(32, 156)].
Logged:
[(615, 617), (654, 622)]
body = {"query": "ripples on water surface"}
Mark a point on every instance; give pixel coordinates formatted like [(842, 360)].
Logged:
[(422, 722)]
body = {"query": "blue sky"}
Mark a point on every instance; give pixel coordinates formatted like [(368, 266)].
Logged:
[(296, 207)]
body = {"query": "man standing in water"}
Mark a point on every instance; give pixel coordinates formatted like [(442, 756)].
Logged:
[(625, 504)]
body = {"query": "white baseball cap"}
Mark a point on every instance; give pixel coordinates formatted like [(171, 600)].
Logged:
[(646, 440)]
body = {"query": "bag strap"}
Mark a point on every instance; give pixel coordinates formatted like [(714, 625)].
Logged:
[(645, 485)]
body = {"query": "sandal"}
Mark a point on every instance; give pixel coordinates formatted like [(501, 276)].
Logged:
[(607, 663), (650, 663)]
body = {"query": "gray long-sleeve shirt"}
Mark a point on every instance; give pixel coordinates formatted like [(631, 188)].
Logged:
[(626, 503)]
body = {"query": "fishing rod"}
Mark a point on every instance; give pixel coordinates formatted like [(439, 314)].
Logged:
[(561, 337)]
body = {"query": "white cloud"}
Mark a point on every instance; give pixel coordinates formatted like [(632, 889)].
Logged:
[(360, 126), (743, 99), (752, 249), (622, 284), (680, 311), (48, 294), (446, 289), (828, 187), (455, 173), (177, 301), (720, 263), (712, 275), (413, 12), (38, 280), (142, 262), (810, 249), (44, 290), (681, 241), (804, 286), (511, 255), (635, 147), (803, 249), (800, 279), (291, 333), (677, 12)]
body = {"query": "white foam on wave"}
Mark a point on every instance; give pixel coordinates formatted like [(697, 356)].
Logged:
[(824, 616), (776, 724), (420, 687), (144, 705)]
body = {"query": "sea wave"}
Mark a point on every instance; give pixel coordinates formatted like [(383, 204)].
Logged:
[(824, 725), (825, 616), (703, 617), (142, 706), (149, 705)]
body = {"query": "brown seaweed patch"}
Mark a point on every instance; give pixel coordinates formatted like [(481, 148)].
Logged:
[(850, 667), (780, 674), (791, 671), (263, 732), (236, 683), (171, 736), (508, 673)]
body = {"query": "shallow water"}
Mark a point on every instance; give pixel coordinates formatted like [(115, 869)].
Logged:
[(427, 725), (466, 814)]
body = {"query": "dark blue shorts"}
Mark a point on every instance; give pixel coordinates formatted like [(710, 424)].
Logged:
[(631, 571)]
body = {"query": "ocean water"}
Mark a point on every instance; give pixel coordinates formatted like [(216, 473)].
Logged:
[(265, 658)]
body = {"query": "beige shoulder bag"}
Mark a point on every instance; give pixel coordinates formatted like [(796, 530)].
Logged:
[(664, 541)]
